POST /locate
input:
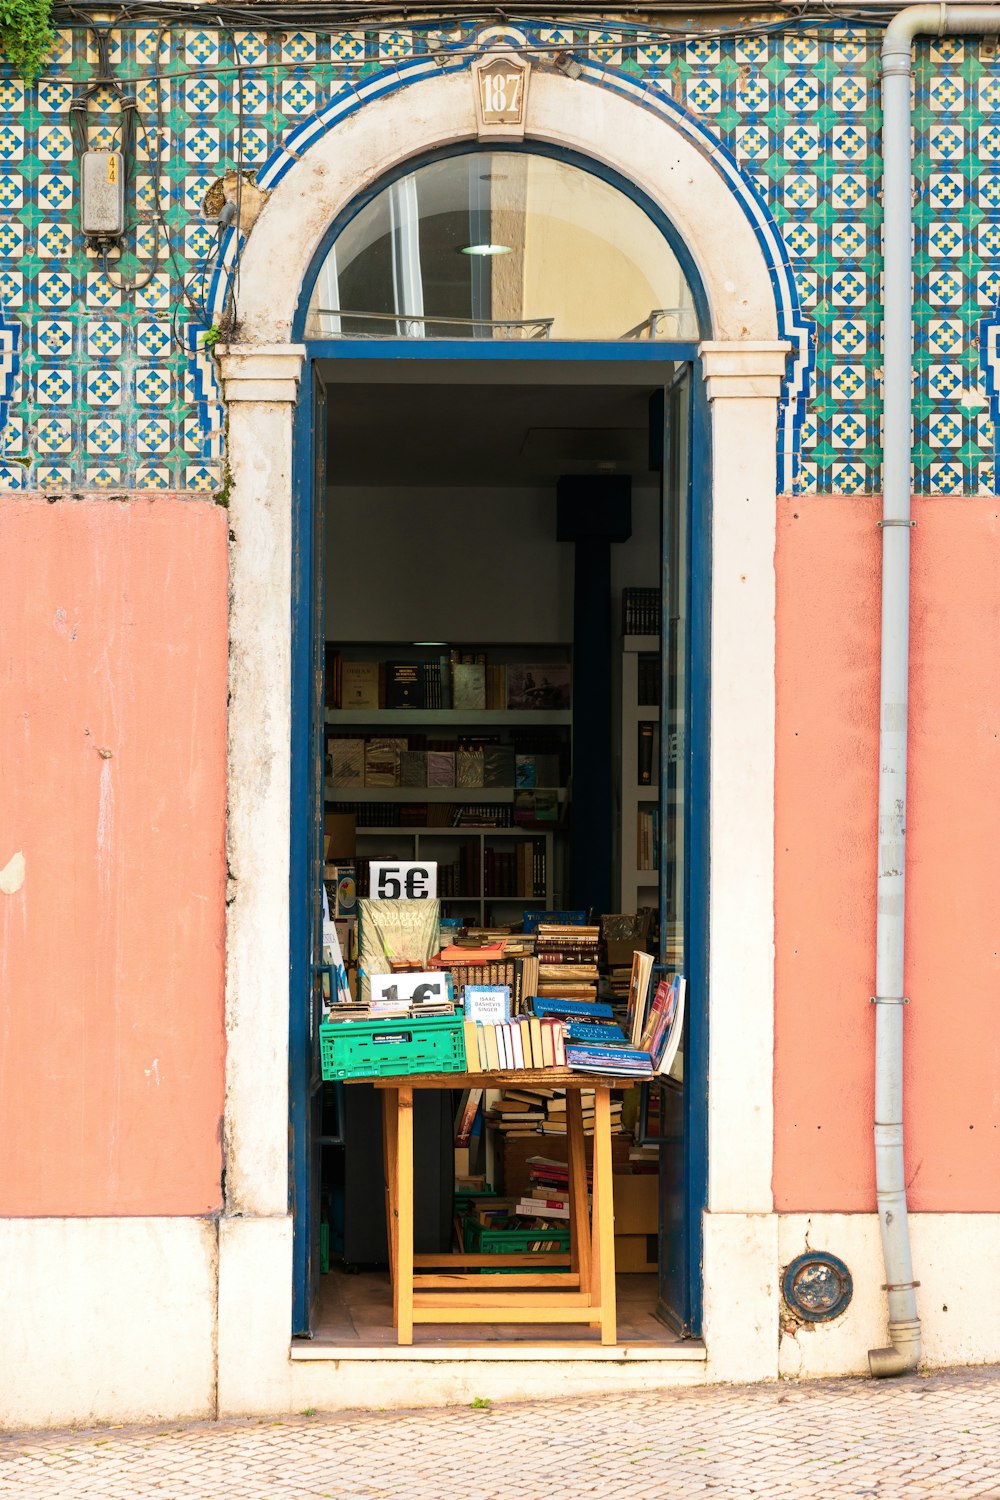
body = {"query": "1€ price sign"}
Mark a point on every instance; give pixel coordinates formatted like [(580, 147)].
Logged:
[(391, 880)]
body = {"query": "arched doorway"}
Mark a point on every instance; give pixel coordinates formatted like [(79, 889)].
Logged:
[(741, 369), (532, 253)]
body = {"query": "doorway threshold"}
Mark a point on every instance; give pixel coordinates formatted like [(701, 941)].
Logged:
[(684, 1351), (354, 1321)]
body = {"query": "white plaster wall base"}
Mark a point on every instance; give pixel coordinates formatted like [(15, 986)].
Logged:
[(106, 1320), (332, 1385), (956, 1256), (741, 1296), (255, 1316)]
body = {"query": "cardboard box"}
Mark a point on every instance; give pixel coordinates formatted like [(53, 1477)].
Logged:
[(517, 1149), (339, 836), (636, 1252), (637, 1203)]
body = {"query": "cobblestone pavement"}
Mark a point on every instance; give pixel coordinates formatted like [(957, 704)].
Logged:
[(924, 1436)]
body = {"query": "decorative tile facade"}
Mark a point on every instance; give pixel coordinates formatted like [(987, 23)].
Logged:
[(103, 383)]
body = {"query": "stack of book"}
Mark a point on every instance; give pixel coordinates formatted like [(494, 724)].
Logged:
[(523, 1042), (540, 1111), (490, 962), (567, 961), (505, 1213), (640, 611), (462, 679)]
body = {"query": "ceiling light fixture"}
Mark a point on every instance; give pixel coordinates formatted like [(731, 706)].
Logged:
[(485, 249)]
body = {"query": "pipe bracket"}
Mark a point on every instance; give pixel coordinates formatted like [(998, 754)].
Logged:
[(894, 521), (899, 1286), (888, 999)]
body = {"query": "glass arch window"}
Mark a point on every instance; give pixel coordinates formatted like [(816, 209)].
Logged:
[(501, 244)]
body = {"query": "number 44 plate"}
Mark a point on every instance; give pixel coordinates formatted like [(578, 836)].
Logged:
[(392, 881)]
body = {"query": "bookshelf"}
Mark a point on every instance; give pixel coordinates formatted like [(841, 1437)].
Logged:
[(639, 884), (456, 718), (438, 844), (389, 755)]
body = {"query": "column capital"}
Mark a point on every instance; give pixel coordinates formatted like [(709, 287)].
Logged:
[(261, 372), (744, 368)]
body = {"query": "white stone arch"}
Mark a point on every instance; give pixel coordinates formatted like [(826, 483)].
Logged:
[(437, 112), (743, 364)]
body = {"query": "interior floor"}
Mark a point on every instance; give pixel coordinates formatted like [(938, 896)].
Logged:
[(356, 1309)]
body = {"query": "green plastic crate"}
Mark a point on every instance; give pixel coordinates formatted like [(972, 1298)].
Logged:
[(479, 1240), (391, 1048)]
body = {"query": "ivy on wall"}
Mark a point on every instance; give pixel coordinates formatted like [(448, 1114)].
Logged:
[(26, 34)]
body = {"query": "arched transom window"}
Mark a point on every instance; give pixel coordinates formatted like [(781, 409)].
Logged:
[(501, 244)]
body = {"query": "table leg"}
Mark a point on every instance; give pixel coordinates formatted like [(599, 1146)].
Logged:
[(579, 1223), (389, 1172), (403, 1285), (604, 1216)]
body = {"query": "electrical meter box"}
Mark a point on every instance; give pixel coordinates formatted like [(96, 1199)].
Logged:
[(102, 194)]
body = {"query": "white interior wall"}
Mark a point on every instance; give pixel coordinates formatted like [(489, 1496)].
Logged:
[(463, 565)]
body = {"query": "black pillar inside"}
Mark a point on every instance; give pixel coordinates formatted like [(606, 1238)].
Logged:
[(594, 511)]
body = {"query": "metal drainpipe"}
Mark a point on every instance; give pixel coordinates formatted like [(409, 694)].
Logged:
[(903, 1353)]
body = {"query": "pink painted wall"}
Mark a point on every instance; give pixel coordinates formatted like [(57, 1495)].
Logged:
[(828, 567), (113, 647)]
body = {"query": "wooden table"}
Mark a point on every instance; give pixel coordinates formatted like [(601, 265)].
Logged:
[(450, 1288)]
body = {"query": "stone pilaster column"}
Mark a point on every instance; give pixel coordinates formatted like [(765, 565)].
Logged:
[(743, 382), (260, 386)]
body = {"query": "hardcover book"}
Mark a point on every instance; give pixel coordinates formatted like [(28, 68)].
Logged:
[(404, 684), (359, 684), (347, 762), (489, 1003), (542, 686), (413, 768), (440, 768), (468, 685), (382, 761)]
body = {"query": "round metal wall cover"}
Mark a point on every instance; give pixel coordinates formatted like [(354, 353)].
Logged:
[(817, 1286)]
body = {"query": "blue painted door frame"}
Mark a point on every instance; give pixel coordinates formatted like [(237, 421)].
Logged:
[(307, 709)]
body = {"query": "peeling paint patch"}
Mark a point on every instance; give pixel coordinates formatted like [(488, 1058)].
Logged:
[(12, 874)]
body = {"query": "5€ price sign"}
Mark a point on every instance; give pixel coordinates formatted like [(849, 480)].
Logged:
[(392, 880)]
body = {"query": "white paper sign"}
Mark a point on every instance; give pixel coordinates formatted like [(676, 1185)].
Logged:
[(391, 990), (392, 880)]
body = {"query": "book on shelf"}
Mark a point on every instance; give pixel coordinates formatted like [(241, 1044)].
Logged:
[(347, 762), (468, 685), (498, 765), (413, 768), (470, 764), (440, 768), (538, 685), (649, 679), (382, 761), (404, 685), (648, 838), (640, 611), (496, 686), (644, 755), (360, 684)]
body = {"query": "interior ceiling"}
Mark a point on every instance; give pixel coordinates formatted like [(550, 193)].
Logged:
[(522, 435)]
